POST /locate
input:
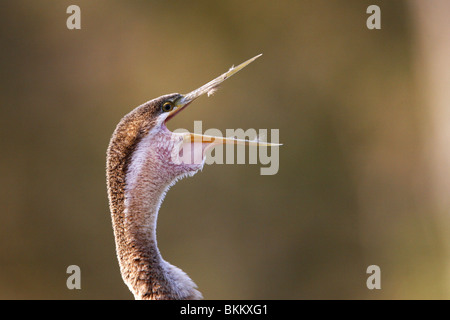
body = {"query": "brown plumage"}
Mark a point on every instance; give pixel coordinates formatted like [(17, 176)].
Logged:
[(141, 265), (143, 160)]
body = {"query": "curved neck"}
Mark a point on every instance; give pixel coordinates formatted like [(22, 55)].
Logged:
[(136, 191), (142, 267)]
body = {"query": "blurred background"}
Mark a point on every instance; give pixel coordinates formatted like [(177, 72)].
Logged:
[(364, 170)]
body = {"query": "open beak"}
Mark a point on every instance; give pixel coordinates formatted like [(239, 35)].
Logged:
[(209, 88)]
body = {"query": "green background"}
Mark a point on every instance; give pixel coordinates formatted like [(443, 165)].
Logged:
[(357, 183)]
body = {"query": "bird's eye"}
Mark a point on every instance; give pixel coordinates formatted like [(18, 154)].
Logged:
[(167, 106)]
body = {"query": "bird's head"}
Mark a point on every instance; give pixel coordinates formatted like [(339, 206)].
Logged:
[(171, 153)]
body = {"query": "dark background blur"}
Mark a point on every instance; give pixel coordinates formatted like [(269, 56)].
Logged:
[(362, 114)]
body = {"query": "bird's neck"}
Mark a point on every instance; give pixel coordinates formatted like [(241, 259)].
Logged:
[(141, 263), (138, 193)]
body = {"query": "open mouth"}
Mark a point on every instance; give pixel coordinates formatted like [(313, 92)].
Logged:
[(204, 140)]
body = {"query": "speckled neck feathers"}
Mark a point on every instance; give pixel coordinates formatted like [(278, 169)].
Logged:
[(139, 173)]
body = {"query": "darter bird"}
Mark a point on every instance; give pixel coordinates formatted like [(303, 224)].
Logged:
[(144, 159)]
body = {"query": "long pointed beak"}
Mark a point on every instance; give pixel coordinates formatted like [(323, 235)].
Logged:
[(212, 140), (209, 88)]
